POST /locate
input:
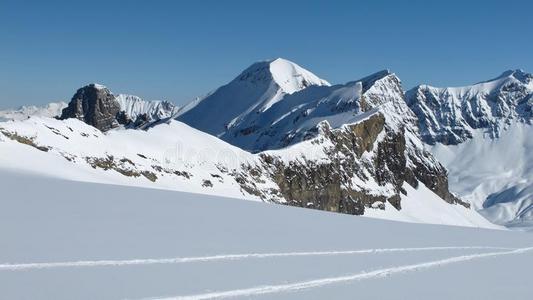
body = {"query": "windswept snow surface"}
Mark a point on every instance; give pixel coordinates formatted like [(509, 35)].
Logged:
[(116, 242)]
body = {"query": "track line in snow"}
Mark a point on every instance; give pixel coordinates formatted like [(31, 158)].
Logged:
[(291, 287), (227, 257)]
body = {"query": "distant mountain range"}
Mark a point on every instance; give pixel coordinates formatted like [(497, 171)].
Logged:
[(278, 133)]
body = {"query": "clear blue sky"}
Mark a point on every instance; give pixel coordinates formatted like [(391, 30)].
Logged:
[(177, 50)]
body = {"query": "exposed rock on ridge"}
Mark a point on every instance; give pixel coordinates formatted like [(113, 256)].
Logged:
[(95, 105)]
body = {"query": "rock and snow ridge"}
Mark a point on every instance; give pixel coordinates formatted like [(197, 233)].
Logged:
[(96, 105), (133, 112), (450, 115), (175, 156)]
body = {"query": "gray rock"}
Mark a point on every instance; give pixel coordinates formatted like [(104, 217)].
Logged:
[(95, 105)]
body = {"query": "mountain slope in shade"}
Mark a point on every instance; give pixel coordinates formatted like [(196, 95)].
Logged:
[(256, 89), (449, 115), (50, 110)]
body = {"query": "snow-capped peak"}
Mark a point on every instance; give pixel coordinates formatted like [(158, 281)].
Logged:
[(97, 86), (372, 78), (287, 75), (291, 77), (517, 74), (255, 90)]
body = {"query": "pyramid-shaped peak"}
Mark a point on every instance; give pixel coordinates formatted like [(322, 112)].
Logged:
[(289, 76)]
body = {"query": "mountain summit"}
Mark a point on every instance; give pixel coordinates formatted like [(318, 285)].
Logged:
[(256, 89)]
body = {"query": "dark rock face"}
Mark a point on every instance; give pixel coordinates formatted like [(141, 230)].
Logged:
[(94, 105)]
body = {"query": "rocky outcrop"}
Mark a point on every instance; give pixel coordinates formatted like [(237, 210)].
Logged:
[(95, 105)]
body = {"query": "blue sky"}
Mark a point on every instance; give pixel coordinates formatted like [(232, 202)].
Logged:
[(177, 50)]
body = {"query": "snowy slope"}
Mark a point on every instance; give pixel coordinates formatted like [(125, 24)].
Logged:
[(69, 240), (495, 175), (256, 89), (50, 110), (173, 155), (178, 157)]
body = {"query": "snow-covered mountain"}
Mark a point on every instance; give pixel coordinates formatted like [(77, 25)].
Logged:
[(256, 89), (277, 133), (450, 115), (483, 135), (349, 148), (50, 110), (295, 117)]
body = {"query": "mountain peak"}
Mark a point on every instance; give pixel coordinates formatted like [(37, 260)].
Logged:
[(289, 76), (517, 74), (96, 86)]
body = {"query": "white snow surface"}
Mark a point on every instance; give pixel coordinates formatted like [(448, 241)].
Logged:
[(494, 174), (73, 240), (291, 78)]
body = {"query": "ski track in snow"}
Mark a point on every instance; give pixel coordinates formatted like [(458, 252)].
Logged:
[(269, 289), (228, 257)]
